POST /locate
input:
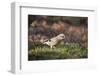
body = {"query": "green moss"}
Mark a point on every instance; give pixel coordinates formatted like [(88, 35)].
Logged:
[(62, 51)]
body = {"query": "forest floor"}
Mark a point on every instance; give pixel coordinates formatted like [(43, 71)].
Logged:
[(62, 51)]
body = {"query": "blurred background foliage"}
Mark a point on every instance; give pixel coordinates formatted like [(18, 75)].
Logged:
[(46, 27)]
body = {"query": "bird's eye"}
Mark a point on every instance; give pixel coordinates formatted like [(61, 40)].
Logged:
[(63, 36)]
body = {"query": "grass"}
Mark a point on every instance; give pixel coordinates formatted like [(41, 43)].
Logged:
[(62, 51)]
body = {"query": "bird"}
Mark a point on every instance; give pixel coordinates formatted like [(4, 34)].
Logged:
[(54, 41)]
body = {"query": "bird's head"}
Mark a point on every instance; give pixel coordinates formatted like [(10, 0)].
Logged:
[(61, 36)]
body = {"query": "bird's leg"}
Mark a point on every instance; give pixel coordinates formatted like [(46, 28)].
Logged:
[(51, 46)]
